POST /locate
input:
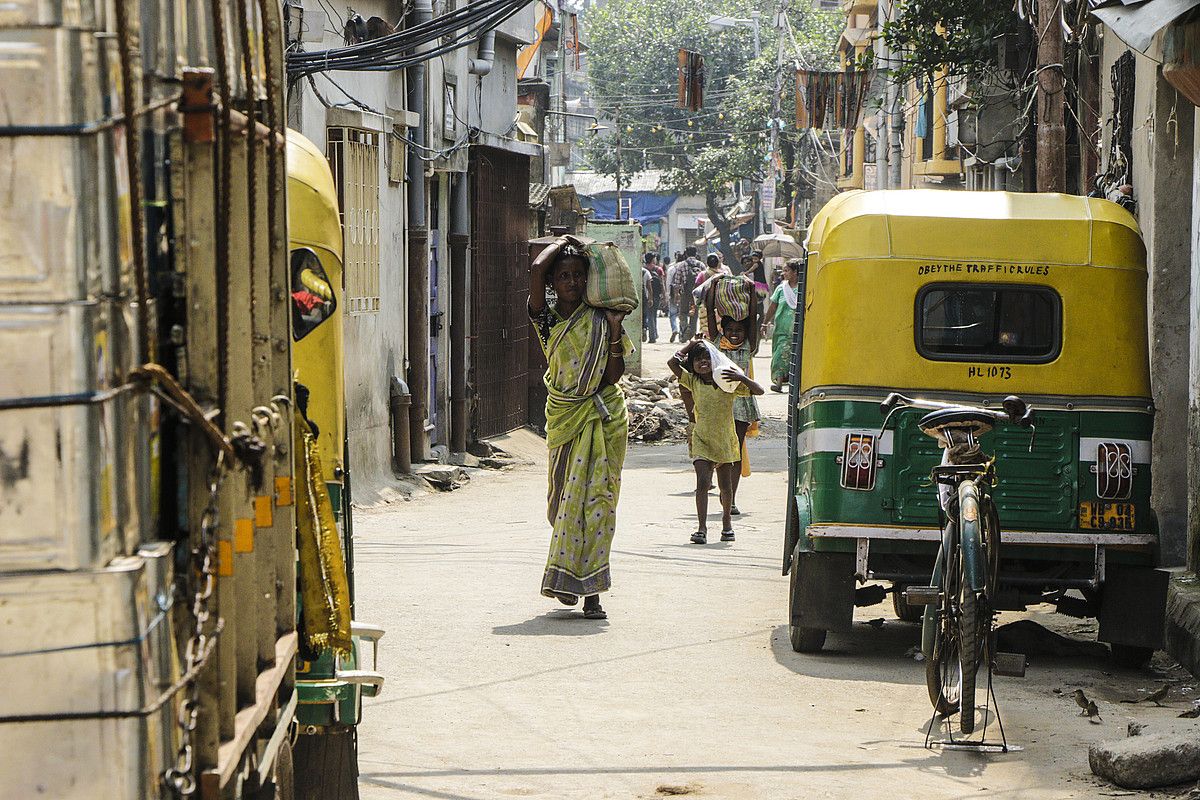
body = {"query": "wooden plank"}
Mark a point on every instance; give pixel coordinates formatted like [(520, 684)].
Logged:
[(248, 720)]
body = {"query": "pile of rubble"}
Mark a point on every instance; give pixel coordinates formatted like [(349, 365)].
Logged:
[(656, 414)]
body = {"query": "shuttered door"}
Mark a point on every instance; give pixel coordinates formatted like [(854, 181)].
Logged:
[(499, 289)]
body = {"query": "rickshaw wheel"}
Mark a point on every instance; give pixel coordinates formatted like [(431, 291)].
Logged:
[(905, 612), (806, 640)]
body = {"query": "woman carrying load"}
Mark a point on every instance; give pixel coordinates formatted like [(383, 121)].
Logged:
[(586, 425), (782, 311)]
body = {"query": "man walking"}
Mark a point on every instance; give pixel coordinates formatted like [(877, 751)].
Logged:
[(683, 282), (650, 301), (672, 304)]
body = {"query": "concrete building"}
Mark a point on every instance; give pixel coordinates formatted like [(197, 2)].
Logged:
[(469, 152)]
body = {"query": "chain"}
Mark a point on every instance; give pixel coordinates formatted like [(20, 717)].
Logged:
[(180, 779)]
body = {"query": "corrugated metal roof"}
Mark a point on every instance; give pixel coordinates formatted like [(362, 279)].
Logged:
[(590, 184), (538, 192)]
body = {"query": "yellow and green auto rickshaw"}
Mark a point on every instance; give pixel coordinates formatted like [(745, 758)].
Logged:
[(969, 297), (330, 687)]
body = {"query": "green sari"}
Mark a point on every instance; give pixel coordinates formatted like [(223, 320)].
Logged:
[(781, 339), (587, 431)]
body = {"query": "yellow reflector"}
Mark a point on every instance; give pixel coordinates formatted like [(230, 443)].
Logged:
[(264, 511), (224, 559), (243, 536), (283, 491)]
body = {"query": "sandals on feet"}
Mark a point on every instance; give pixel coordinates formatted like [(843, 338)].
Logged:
[(592, 608), (733, 511), (567, 599), (727, 536), (700, 537)]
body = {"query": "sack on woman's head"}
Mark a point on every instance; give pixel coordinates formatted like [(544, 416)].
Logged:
[(610, 282), (732, 294)]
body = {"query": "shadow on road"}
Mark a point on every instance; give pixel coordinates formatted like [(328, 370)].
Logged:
[(865, 653), (559, 622)]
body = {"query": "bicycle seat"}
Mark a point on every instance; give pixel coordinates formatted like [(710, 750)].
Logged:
[(967, 419)]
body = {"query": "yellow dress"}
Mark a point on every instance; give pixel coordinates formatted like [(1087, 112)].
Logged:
[(714, 437)]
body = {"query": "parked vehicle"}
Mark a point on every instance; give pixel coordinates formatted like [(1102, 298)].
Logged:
[(148, 506), (966, 298), (330, 687)]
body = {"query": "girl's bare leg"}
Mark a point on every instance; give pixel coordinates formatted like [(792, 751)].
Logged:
[(704, 470), (741, 427), (725, 474)]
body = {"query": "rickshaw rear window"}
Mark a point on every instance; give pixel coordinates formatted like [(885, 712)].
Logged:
[(958, 322)]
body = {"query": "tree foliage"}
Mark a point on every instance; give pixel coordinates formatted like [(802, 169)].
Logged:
[(633, 70), (961, 37)]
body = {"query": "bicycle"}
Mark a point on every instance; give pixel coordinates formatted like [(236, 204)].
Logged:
[(958, 632)]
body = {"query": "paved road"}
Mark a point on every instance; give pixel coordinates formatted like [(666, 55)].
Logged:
[(690, 687)]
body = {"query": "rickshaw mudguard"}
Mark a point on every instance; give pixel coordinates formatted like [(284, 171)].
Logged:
[(970, 524)]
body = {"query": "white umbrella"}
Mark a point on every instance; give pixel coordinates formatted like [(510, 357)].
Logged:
[(778, 245)]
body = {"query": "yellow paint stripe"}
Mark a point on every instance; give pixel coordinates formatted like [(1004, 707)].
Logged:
[(243, 536), (264, 511), (224, 559), (283, 491)]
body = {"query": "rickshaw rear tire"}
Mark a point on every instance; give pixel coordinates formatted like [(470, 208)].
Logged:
[(807, 640), (905, 611), (1131, 656)]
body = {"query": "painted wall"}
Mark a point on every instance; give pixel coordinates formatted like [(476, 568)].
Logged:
[(1161, 176)]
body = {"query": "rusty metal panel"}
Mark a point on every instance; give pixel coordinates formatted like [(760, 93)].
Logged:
[(500, 328)]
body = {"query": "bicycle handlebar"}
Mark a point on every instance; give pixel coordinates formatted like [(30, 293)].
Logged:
[(1016, 410)]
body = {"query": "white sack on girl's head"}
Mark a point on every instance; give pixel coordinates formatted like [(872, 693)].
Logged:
[(720, 363)]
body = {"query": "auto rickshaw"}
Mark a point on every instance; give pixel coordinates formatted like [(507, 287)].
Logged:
[(969, 297), (330, 688)]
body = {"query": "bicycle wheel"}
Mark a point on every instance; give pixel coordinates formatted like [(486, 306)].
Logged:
[(968, 655), (942, 675)]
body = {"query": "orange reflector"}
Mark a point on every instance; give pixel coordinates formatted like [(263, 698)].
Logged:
[(224, 559), (283, 491), (264, 511), (243, 536)]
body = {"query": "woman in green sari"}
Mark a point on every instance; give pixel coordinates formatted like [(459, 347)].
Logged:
[(782, 310), (587, 429)]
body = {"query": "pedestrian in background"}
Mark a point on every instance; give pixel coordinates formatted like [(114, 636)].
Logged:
[(713, 445), (672, 300), (713, 269), (781, 311), (649, 301), (682, 285), (587, 429)]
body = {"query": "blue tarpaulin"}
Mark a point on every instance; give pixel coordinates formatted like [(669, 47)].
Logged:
[(647, 206)]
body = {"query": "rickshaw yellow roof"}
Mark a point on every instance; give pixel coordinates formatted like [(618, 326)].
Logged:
[(312, 197), (977, 226)]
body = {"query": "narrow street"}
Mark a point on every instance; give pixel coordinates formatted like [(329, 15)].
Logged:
[(691, 685)]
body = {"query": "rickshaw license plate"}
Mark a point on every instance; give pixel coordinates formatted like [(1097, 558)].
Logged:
[(1099, 515)]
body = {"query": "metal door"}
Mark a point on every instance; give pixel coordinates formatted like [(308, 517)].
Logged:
[(499, 289)]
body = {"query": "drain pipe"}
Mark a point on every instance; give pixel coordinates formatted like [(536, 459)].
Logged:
[(418, 252), (485, 55), (400, 402), (460, 234)]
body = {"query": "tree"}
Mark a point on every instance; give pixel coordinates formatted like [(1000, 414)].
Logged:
[(633, 69)]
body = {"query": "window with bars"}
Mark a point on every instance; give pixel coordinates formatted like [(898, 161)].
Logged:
[(354, 159)]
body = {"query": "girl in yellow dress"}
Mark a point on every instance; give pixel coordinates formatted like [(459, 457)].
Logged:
[(714, 441)]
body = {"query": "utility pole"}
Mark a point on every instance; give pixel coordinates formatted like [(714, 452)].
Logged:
[(1051, 128), (618, 124), (766, 194), (883, 138)]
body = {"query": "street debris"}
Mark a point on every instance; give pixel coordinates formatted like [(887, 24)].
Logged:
[(656, 414), (1149, 759), (914, 653), (668, 790), (444, 478)]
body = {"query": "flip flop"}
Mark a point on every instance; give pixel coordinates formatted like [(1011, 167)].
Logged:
[(595, 613), (700, 537), (727, 536), (733, 511), (566, 599)]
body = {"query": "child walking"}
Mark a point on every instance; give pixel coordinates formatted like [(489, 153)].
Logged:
[(714, 442), (740, 347)]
